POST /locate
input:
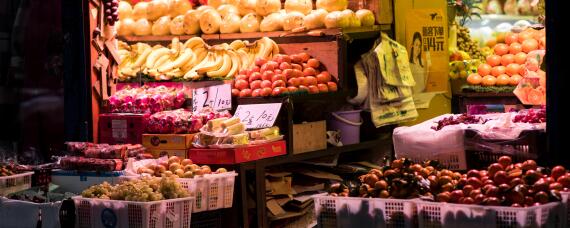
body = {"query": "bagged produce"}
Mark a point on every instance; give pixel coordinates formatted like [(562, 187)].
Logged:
[(146, 100)]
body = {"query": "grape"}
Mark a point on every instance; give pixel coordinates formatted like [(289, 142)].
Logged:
[(531, 116), (463, 118), (143, 190)]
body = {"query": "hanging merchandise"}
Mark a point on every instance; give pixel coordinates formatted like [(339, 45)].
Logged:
[(388, 88)]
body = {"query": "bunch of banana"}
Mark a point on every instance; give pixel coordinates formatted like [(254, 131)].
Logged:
[(193, 59)]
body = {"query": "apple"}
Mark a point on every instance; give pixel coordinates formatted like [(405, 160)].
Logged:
[(255, 76), (241, 84), (235, 92), (260, 61), (314, 63), (297, 67), (245, 93), (313, 89), (293, 89), (309, 71), (284, 66), (266, 84), (323, 88), (304, 56), (265, 92), (278, 83), (255, 84), (256, 93), (267, 67), (278, 77), (267, 75), (332, 86), (310, 80), (277, 91), (293, 82)]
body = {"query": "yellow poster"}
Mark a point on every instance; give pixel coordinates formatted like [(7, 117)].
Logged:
[(426, 41)]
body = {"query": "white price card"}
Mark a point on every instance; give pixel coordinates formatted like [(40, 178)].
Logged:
[(256, 116), (218, 97)]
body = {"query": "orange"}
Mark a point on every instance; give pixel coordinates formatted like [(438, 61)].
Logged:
[(474, 79), (534, 96), (503, 80), (498, 70), (515, 48), (493, 60), (507, 59), (501, 49), (501, 37), (515, 79), (489, 81), (511, 38), (491, 42), (484, 69), (529, 45), (513, 69), (520, 58)]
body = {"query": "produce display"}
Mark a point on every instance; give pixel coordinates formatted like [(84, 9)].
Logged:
[(7, 170), (512, 7), (466, 44), (462, 68), (91, 164), (531, 116), (177, 168), (502, 184), (284, 74), (104, 151), (519, 56), (230, 132), (460, 119), (176, 17), (192, 60), (141, 190), (181, 121), (146, 99)]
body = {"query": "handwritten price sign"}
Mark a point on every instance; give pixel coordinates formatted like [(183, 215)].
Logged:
[(218, 97), (257, 116)]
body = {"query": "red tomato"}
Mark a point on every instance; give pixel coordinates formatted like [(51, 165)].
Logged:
[(266, 92), (309, 71), (278, 77), (278, 83), (235, 92), (255, 76), (292, 89), (332, 86), (277, 91), (282, 58), (242, 76), (323, 77), (314, 63), (293, 82), (296, 67), (254, 69), (323, 88), (302, 81), (267, 75), (296, 59), (289, 73), (304, 56), (260, 61), (310, 80), (244, 72), (313, 89), (245, 93), (256, 93), (298, 73), (266, 84), (303, 88), (273, 64), (267, 67), (277, 71), (255, 84), (241, 84), (284, 66)]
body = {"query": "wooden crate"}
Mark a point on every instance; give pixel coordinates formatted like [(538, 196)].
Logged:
[(309, 137)]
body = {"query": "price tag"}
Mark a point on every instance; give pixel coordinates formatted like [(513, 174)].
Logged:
[(218, 97), (257, 116)]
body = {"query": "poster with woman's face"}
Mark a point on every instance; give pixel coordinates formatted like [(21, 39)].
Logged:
[(426, 40)]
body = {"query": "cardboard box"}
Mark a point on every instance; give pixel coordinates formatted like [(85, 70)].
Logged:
[(160, 152), (167, 141), (116, 128), (237, 155), (309, 137)]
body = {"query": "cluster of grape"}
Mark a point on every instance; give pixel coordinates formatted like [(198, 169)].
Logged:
[(466, 44), (463, 118), (111, 11), (140, 190), (531, 116)]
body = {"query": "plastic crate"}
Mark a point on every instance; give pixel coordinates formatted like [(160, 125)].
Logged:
[(174, 213), (451, 161), (566, 202), (211, 191), (207, 219), (17, 213), (364, 212), (436, 215), (15, 183), (481, 152)]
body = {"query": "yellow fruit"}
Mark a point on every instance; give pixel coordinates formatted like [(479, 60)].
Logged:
[(463, 74)]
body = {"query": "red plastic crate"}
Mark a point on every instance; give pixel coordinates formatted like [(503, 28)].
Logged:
[(237, 155), (119, 128)]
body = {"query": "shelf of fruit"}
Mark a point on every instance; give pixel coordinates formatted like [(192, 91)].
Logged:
[(501, 184), (161, 18)]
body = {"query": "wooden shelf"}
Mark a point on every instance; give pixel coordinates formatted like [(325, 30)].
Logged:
[(353, 33)]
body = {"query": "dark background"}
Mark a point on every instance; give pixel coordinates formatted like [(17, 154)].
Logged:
[(43, 90)]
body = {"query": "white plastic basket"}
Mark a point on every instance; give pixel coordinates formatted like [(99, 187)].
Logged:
[(435, 214), (211, 191), (174, 213), (364, 212), (17, 213), (451, 161), (566, 202), (15, 183)]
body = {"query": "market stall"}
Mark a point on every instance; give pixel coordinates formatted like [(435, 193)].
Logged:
[(269, 113)]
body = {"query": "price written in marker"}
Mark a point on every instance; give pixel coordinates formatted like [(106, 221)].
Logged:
[(256, 116), (218, 97)]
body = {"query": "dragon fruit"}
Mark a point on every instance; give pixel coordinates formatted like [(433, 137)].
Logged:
[(146, 99)]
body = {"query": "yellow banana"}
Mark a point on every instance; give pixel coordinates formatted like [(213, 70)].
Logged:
[(176, 73), (236, 64), (194, 42), (141, 59), (161, 61), (192, 74), (179, 62), (258, 50), (267, 47), (224, 68), (275, 51), (213, 65), (155, 55), (237, 44), (244, 58)]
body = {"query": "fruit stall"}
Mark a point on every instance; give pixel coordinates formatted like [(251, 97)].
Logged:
[(300, 113)]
